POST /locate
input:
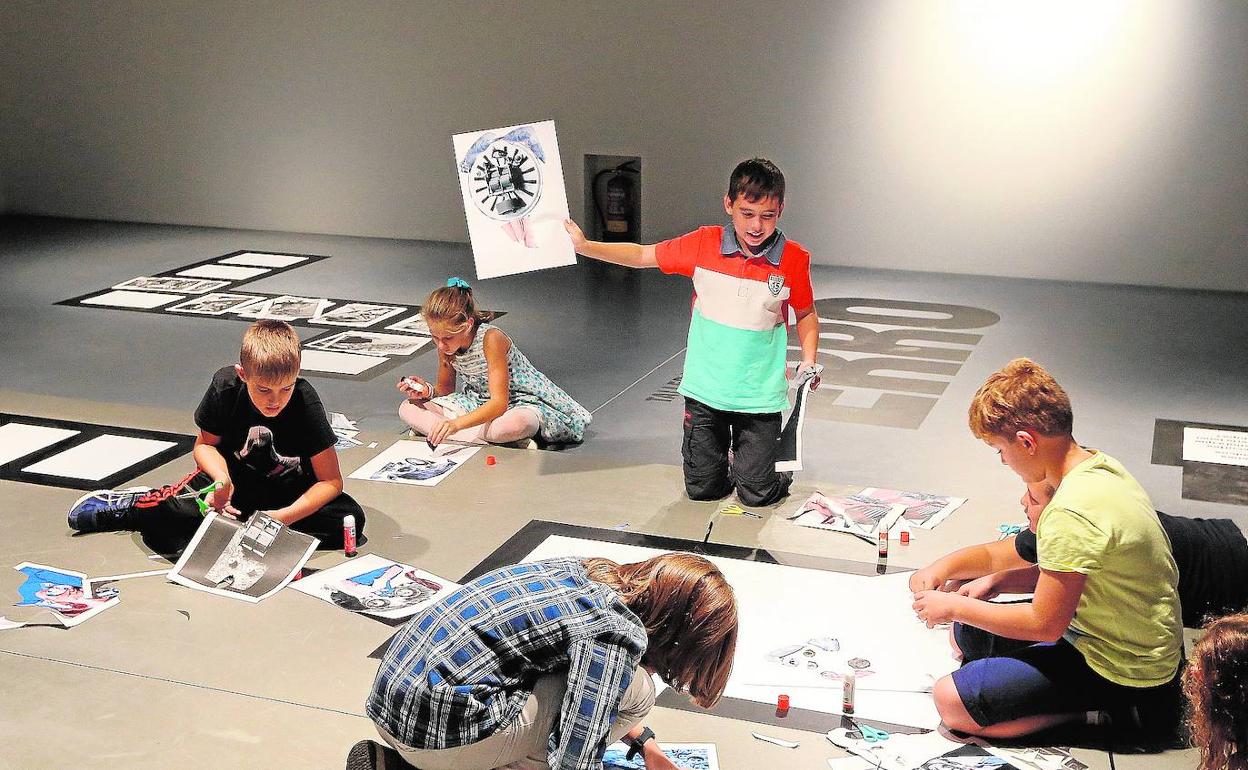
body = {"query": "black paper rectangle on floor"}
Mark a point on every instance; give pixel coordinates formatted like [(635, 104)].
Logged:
[(78, 455), (1204, 482)]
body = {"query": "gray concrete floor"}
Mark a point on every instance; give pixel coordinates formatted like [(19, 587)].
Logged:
[(177, 678)]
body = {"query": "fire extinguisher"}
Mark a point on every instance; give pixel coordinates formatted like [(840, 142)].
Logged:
[(615, 199)]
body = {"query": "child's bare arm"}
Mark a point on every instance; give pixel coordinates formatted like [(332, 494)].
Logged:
[(1044, 619), (496, 345), (626, 254), (212, 462)]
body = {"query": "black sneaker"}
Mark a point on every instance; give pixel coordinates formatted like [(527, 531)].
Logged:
[(371, 755), (105, 510)]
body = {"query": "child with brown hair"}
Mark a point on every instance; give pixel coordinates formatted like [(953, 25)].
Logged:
[(485, 387), (1103, 629), (1215, 684), (263, 437), (544, 664)]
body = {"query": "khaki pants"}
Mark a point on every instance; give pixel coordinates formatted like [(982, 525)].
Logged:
[(521, 745)]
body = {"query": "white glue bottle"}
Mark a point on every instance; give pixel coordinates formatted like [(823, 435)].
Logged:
[(850, 682)]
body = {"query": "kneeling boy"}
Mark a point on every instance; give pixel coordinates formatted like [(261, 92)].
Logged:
[(264, 436)]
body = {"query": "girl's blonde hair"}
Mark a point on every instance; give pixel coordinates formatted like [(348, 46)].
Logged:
[(454, 306), (690, 615), (1216, 685)]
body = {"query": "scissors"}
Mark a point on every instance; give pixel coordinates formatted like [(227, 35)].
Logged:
[(1009, 529), (872, 735)]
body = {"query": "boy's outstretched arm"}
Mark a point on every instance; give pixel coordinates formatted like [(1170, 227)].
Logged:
[(328, 486), (973, 561), (626, 254), (1044, 619)]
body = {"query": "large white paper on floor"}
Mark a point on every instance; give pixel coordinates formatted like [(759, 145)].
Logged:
[(375, 585), (413, 462), (312, 360), (514, 198), (228, 272), (100, 457), (366, 343), (248, 561), (1208, 445), (139, 299), (781, 606), (260, 259), (18, 439)]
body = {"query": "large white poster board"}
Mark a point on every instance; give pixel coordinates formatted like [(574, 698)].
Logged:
[(781, 607), (514, 198)]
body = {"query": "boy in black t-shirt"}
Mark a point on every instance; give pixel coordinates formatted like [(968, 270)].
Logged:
[(263, 436)]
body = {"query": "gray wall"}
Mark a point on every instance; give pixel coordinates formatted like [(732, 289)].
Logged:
[(1095, 141)]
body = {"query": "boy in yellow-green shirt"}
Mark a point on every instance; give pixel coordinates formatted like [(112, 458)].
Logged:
[(1103, 632)]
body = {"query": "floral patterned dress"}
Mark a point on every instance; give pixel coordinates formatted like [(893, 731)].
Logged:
[(562, 419)]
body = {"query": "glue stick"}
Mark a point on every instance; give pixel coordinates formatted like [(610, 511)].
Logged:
[(850, 681), (348, 535), (883, 543)]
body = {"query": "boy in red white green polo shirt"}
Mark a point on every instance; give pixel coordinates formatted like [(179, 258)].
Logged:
[(746, 277)]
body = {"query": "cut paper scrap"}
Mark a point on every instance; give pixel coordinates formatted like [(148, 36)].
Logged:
[(789, 448), (857, 514), (923, 510), (249, 561), (69, 595), (377, 586)]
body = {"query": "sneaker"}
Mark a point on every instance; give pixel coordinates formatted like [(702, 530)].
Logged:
[(371, 755), (105, 510)]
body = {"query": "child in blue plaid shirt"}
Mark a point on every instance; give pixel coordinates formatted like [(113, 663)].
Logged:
[(542, 665)]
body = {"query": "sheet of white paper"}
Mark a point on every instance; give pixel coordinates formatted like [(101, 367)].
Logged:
[(313, 360), (774, 604), (260, 259), (132, 299), (286, 308), (99, 457), (413, 462), (249, 562), (412, 324), (18, 439), (375, 585), (1207, 445), (228, 272), (511, 180)]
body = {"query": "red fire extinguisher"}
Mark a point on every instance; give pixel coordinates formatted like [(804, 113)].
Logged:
[(615, 201)]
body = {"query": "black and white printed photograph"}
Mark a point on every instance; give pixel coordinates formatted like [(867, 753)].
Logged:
[(370, 343), (412, 325), (286, 308), (357, 314), (172, 284), (214, 304), (249, 560)]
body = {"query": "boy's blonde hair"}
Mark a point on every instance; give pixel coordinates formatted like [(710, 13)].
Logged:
[(1021, 396), (270, 351)]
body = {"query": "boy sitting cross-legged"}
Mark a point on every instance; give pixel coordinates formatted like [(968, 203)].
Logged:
[(263, 436), (1103, 632)]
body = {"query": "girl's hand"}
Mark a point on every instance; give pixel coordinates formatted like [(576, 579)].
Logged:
[(415, 389), (441, 431)]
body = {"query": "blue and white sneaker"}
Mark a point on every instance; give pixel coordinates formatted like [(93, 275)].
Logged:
[(105, 510)]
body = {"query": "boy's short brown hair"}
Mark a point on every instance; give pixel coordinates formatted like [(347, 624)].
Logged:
[(270, 351), (756, 179), (1021, 396)]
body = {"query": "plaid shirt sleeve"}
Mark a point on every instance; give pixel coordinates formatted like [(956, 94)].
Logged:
[(600, 670)]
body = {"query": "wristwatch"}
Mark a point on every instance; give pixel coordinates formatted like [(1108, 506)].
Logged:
[(636, 744)]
